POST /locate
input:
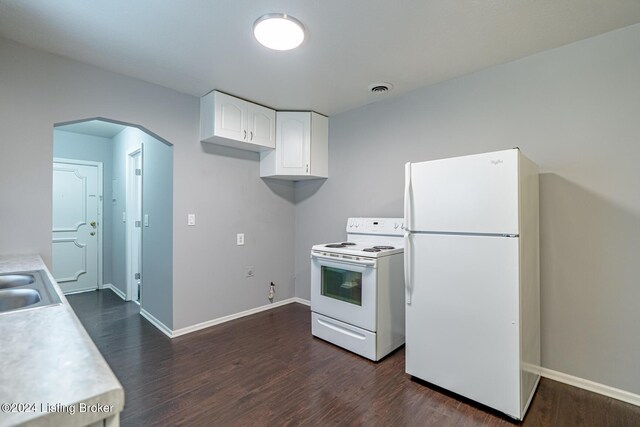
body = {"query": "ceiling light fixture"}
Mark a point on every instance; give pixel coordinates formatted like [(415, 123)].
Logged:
[(278, 31)]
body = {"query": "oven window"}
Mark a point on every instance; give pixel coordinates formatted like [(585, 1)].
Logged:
[(343, 285)]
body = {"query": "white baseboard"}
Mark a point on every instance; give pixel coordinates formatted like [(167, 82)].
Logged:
[(186, 330), (224, 319), (115, 289), (530, 399), (80, 291), (155, 322), (595, 387)]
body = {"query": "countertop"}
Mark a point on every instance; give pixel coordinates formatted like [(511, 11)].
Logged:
[(49, 362)]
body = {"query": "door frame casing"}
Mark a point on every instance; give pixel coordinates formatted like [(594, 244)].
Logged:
[(99, 165), (130, 220)]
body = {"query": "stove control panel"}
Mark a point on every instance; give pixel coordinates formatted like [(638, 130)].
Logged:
[(386, 226)]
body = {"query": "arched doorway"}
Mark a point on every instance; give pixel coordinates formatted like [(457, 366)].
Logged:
[(113, 212)]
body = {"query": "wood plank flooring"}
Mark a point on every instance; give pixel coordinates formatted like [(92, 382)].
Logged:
[(267, 370)]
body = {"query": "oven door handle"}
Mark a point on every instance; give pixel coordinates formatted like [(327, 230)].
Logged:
[(344, 261)]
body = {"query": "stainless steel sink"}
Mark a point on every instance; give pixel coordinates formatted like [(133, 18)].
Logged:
[(26, 289), (11, 299), (13, 280)]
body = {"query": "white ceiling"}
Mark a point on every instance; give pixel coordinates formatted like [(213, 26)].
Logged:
[(93, 127), (198, 45)]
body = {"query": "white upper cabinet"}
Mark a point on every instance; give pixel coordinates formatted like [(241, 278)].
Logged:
[(301, 147), (234, 122), (261, 124)]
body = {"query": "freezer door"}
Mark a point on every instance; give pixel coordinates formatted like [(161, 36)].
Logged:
[(470, 194), (462, 326)]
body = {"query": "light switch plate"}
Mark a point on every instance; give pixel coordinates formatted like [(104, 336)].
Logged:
[(191, 219), (240, 239), (146, 220)]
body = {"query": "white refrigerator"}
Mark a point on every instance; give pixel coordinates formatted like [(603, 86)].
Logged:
[(472, 277)]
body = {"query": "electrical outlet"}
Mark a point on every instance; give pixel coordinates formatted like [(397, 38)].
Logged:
[(249, 271), (240, 239), (191, 219)]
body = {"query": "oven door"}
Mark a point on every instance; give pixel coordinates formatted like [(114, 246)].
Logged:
[(344, 289)]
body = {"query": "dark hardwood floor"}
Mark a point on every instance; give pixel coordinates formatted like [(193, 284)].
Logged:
[(267, 369)]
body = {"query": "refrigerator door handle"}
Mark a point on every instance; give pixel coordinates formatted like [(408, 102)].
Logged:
[(407, 196), (408, 290)]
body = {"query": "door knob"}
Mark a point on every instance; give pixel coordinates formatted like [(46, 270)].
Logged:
[(93, 224), (93, 233)]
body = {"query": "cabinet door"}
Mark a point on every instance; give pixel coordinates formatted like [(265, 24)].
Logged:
[(230, 117), (293, 143), (261, 126)]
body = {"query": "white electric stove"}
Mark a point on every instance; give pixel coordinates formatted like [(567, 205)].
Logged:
[(357, 288)]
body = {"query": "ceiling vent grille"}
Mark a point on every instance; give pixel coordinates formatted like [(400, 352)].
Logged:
[(380, 87)]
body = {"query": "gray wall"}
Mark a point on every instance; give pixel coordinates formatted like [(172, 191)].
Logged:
[(573, 110), (222, 187), (228, 197), (157, 239), (76, 146)]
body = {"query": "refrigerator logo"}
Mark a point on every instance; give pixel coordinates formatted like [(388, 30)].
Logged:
[(496, 162)]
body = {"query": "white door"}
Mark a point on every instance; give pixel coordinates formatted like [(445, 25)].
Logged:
[(262, 126), (469, 194), (76, 197), (462, 325), (293, 142), (134, 224)]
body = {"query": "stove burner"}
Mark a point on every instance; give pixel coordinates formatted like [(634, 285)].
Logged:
[(383, 247), (335, 245), (347, 244), (371, 250)]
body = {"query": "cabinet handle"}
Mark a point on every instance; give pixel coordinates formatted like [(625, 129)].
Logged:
[(251, 136), (307, 168), (245, 135)]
